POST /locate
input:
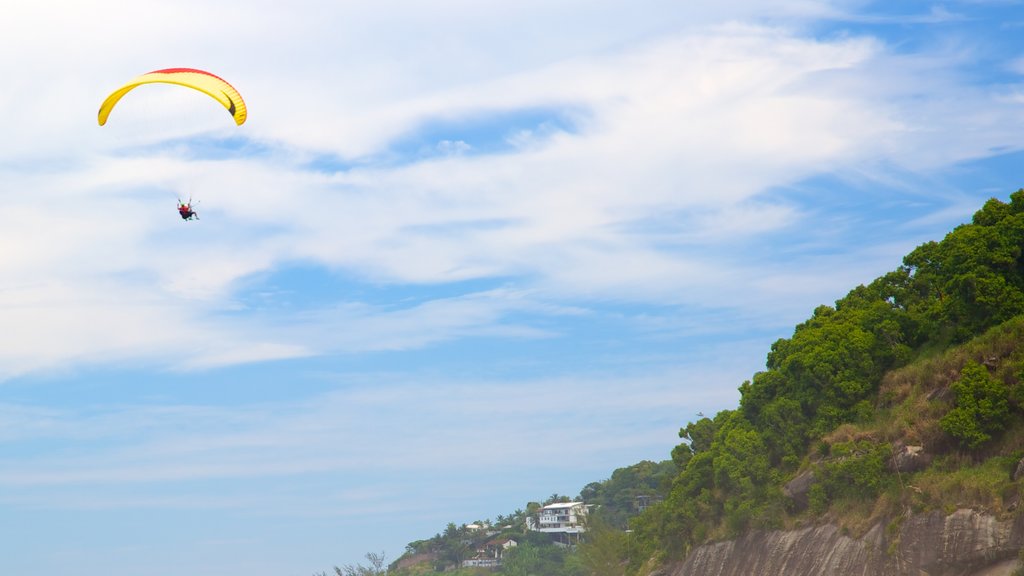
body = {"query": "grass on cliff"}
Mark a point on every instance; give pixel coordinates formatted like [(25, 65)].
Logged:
[(957, 481), (910, 404)]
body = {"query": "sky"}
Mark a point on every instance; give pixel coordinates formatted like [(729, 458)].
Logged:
[(462, 256)]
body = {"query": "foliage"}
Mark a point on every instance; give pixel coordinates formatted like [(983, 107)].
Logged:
[(982, 407), (619, 497), (959, 478), (829, 373), (856, 470), (533, 560), (605, 550)]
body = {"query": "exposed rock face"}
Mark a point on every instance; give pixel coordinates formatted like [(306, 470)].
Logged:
[(909, 459), (965, 543), (822, 550), (1019, 472), (798, 490)]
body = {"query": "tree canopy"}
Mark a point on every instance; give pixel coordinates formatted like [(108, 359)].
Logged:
[(828, 373)]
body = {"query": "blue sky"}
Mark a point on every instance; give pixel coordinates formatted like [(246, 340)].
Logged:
[(461, 256)]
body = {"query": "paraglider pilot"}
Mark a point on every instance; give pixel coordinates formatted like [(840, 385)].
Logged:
[(186, 211)]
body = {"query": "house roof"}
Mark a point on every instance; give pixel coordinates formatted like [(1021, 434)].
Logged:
[(560, 505)]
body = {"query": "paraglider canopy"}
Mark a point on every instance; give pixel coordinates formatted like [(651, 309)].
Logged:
[(205, 82)]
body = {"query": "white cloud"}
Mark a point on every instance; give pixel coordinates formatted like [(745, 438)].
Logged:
[(690, 128)]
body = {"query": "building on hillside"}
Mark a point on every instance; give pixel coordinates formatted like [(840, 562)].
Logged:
[(645, 501), (499, 546), (490, 555), (564, 520), (484, 527), (481, 561)]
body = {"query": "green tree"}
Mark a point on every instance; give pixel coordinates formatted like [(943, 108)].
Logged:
[(981, 407), (604, 550), (617, 497), (523, 560), (973, 279), (532, 559), (857, 469)]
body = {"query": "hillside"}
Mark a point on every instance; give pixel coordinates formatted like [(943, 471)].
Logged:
[(901, 404), (906, 491), (895, 363)]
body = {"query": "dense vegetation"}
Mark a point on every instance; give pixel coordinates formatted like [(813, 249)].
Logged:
[(928, 356), (824, 403)]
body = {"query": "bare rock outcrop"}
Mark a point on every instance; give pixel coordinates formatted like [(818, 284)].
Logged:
[(1018, 473), (906, 459), (798, 490), (965, 543), (820, 550)]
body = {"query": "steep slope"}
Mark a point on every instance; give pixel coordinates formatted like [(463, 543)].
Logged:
[(965, 543), (885, 420)]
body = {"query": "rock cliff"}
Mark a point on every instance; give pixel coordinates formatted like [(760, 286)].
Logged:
[(965, 543)]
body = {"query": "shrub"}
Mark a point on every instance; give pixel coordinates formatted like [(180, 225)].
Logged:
[(981, 409)]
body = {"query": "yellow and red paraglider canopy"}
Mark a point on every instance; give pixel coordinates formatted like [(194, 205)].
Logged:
[(205, 82)]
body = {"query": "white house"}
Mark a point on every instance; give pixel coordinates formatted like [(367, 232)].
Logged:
[(560, 518)]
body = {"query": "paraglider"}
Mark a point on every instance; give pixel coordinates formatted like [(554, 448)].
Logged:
[(186, 210), (205, 82)]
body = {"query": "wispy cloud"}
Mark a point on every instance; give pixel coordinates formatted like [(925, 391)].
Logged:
[(690, 131)]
